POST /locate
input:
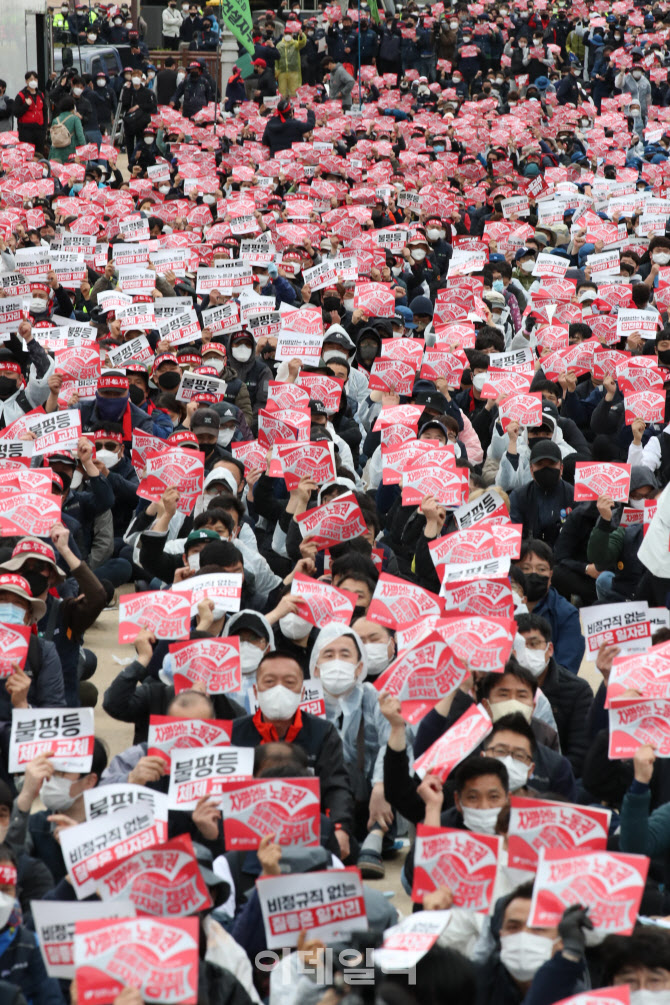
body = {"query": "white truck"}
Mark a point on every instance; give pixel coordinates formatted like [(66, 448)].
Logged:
[(24, 42)]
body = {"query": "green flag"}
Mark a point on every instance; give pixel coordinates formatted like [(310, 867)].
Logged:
[(236, 16), (374, 10)]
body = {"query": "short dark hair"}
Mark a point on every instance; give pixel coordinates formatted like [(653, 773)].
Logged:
[(221, 553), (518, 577), (517, 724), (278, 654), (476, 766), (100, 758), (512, 667), (228, 501), (355, 566), (533, 622), (646, 946), (580, 328), (533, 546), (489, 337), (295, 755), (211, 515), (552, 386)]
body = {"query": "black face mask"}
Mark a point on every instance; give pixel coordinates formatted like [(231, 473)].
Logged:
[(169, 381), (206, 448), (537, 586), (66, 480), (547, 478), (664, 357), (136, 394), (7, 387), (332, 304), (36, 581)]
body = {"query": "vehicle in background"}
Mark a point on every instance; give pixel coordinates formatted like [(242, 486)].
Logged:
[(93, 59)]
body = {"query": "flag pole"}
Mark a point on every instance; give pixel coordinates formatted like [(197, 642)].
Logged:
[(360, 95)]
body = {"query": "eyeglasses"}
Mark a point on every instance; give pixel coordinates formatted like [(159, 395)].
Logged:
[(501, 751)]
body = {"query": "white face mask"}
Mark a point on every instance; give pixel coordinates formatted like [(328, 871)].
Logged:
[(209, 200), (91, 38), (37, 306), (250, 657), (418, 254), (242, 353), (100, 83), (647, 997), (77, 91), (224, 437), (108, 457), (348, 305), (527, 266), (378, 657), (332, 354), (32, 84), (55, 794), (479, 380), (337, 676), (180, 77), (278, 703), (511, 707), (216, 361), (136, 80), (523, 953), (77, 479), (432, 234), (481, 821), (534, 660), (636, 503), (164, 189), (294, 627), (194, 561), (517, 773), (396, 269), (662, 257)]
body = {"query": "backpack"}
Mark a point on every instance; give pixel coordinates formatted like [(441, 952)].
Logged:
[(60, 135)]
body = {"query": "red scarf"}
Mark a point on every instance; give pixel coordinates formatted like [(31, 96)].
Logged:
[(268, 733), (127, 424)]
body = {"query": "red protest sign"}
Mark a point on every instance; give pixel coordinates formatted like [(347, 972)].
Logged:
[(212, 662), (166, 614), (322, 604), (176, 468), (420, 676), (394, 375), (526, 409), (611, 884), (301, 460), (158, 957), (485, 643), (491, 597), (335, 521), (595, 480), (632, 723), (448, 485), (539, 823), (29, 513), (164, 881), (289, 808), (465, 862), (167, 732), (647, 405), (396, 602), (455, 744), (648, 672), (13, 647)]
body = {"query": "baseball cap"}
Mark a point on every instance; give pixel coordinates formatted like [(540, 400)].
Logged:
[(407, 316), (205, 420), (200, 537), (546, 450)]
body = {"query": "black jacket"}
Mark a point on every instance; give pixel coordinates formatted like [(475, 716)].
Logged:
[(280, 135), (571, 544), (127, 702), (323, 746), (570, 698), (540, 513)]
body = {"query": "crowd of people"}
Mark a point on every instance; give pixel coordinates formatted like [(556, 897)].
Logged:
[(350, 393)]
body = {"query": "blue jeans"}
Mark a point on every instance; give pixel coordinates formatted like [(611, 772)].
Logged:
[(605, 591)]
